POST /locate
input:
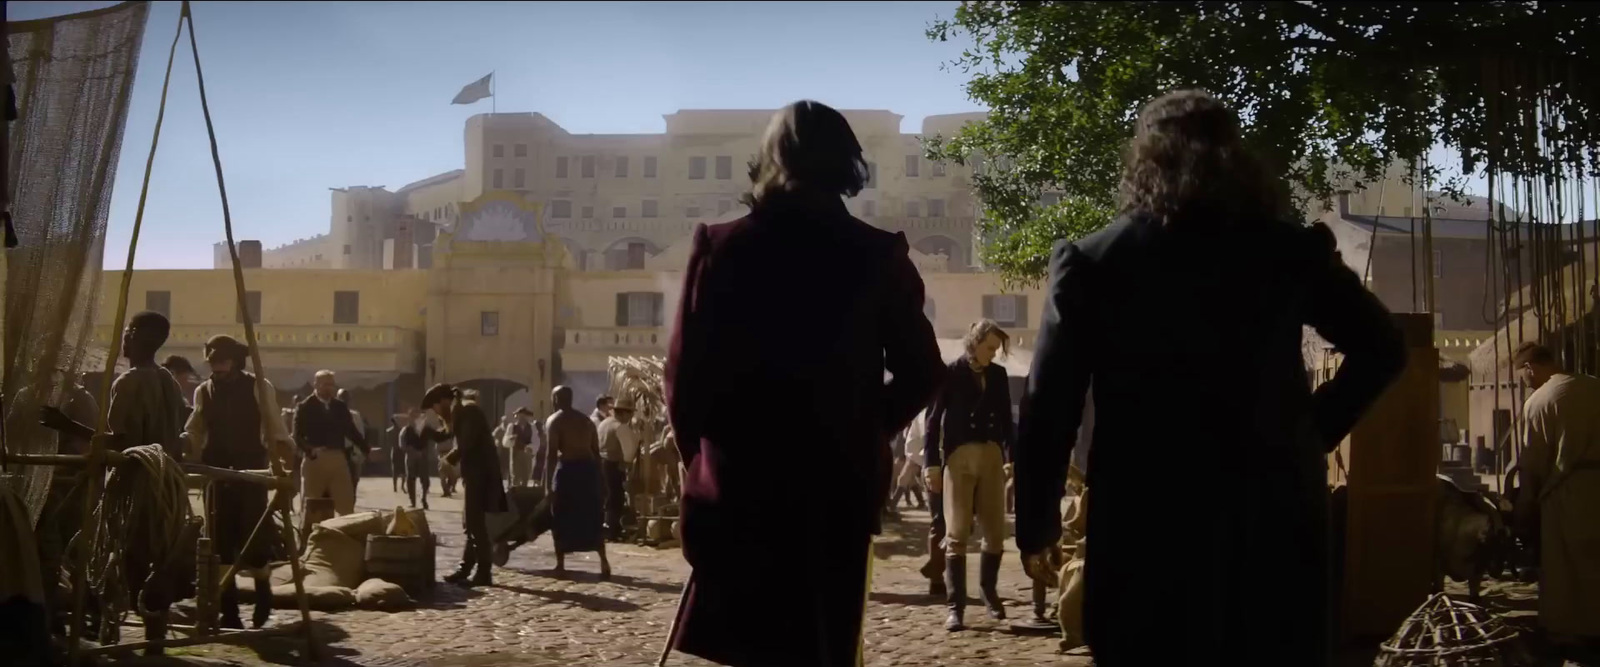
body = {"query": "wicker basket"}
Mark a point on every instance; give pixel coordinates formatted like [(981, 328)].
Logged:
[(1444, 632)]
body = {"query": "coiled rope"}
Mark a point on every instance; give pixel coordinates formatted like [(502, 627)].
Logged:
[(144, 509)]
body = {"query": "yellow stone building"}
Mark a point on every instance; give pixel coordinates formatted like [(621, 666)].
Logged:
[(545, 255)]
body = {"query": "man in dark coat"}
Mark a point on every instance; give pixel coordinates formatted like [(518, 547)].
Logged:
[(322, 423), (1186, 313), (479, 458), (748, 337)]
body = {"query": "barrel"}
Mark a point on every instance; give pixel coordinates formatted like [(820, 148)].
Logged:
[(406, 560)]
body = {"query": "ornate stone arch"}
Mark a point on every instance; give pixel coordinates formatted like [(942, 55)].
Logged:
[(939, 244)]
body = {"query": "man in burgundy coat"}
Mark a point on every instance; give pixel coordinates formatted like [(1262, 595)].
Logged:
[(778, 522)]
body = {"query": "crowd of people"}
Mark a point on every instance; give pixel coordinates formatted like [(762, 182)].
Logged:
[(1185, 315)]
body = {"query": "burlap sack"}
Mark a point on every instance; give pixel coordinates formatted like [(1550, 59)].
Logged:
[(334, 558), (382, 596)]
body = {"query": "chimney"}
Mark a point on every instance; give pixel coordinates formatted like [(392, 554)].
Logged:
[(249, 254)]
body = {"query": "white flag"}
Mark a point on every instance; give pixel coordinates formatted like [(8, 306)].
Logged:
[(475, 91)]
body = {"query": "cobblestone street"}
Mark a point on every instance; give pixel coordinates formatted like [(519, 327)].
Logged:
[(534, 617)]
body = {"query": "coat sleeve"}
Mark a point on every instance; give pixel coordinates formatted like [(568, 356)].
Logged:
[(910, 351), (1052, 405), (1008, 429), (1350, 317), (932, 443), (686, 352), (302, 422)]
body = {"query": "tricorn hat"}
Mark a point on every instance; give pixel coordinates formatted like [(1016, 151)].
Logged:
[(524, 411)]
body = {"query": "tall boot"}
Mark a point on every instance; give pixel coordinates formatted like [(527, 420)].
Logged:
[(263, 612), (988, 578), (934, 568), (485, 575), (955, 581), (155, 629), (228, 606)]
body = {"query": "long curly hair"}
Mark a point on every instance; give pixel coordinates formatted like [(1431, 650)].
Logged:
[(808, 147), (1188, 162)]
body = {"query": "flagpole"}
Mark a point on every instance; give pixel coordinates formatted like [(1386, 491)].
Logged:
[(494, 104)]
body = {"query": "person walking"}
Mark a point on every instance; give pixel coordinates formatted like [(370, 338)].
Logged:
[(1186, 313), (322, 424), (521, 431), (575, 483), (749, 339), (969, 432)]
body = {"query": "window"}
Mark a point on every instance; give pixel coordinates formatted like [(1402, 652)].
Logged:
[(519, 179), (691, 211), (912, 164), (346, 307), (561, 208), (872, 174), (159, 302), (633, 257), (935, 208), (697, 168), (252, 301), (937, 168), (489, 323), (869, 209), (519, 150), (724, 207), (724, 167), (561, 167), (499, 179), (649, 166), (586, 167), (639, 309), (347, 249), (1007, 310), (622, 166), (588, 213), (1438, 264), (619, 211), (913, 209), (499, 150), (648, 210)]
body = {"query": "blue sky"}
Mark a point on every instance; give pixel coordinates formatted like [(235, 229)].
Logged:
[(312, 95)]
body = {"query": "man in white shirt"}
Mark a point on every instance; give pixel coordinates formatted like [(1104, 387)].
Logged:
[(619, 445)]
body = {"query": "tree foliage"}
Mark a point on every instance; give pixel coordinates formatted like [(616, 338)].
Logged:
[(1331, 93)]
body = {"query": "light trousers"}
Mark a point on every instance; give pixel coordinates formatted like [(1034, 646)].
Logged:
[(329, 475), (975, 482)]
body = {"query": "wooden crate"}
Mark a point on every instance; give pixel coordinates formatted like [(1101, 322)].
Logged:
[(1392, 456)]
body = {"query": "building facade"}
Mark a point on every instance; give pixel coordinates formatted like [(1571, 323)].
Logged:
[(547, 254)]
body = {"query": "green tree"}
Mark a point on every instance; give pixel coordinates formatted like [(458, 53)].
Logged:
[(1329, 92)]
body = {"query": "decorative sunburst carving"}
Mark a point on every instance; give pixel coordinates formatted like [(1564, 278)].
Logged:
[(500, 222)]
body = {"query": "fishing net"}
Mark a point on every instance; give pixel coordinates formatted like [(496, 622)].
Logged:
[(74, 75)]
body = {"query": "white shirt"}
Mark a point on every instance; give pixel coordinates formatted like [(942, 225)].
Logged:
[(626, 438), (916, 437)]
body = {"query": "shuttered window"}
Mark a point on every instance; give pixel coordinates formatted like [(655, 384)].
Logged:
[(346, 307), (640, 309), (1007, 310), (159, 302), (252, 301)]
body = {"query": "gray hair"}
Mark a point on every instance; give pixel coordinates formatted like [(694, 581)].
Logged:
[(980, 332)]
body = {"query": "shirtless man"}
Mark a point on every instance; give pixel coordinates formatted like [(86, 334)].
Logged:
[(574, 480)]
